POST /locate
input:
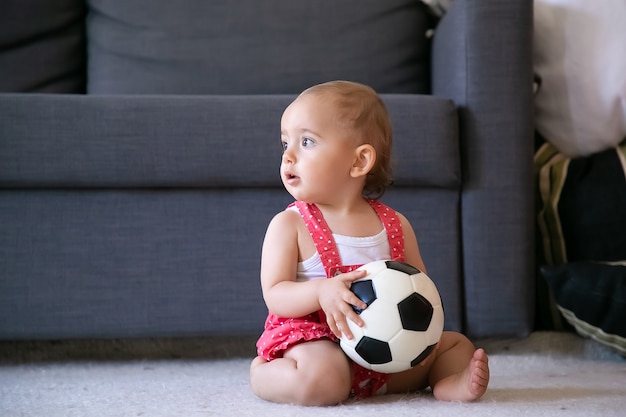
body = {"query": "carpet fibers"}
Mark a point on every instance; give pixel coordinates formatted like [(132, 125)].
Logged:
[(547, 374)]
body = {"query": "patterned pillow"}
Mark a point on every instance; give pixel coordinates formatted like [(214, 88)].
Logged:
[(582, 205), (582, 228), (592, 298)]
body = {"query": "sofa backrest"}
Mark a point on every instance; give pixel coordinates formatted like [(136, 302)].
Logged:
[(43, 46), (212, 47), (255, 47)]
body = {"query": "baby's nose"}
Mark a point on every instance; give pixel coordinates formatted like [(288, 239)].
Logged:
[(288, 157)]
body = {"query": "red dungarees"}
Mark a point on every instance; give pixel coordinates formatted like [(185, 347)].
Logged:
[(281, 333)]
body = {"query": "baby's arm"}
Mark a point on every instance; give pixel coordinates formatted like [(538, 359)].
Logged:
[(412, 254), (287, 298)]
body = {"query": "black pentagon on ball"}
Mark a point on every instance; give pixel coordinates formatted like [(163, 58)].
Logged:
[(365, 291), (416, 312), (423, 355), (402, 267), (374, 351)]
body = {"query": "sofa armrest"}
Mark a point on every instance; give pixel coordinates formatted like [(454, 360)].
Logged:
[(482, 60)]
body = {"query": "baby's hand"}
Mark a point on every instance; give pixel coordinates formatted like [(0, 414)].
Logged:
[(337, 300)]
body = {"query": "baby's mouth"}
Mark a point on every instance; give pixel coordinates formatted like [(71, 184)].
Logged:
[(290, 177)]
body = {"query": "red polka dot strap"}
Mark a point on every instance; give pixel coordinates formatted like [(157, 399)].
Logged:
[(325, 243), (391, 222)]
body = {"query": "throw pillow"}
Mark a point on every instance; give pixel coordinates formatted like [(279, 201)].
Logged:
[(582, 205), (580, 56), (592, 298)]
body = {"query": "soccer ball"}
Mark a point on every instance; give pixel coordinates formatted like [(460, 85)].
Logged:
[(403, 318)]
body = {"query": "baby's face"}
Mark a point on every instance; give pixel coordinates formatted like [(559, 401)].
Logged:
[(318, 151)]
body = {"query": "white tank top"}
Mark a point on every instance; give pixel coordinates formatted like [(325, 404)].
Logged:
[(352, 250)]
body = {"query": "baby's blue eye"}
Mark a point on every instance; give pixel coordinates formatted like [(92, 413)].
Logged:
[(307, 142), (284, 146)]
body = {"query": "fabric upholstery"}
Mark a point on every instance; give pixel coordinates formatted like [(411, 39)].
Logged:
[(164, 262), (122, 263), (200, 141), (139, 210), (497, 171), (274, 46), (43, 46)]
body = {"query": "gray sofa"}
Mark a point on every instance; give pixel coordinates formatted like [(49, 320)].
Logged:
[(139, 154)]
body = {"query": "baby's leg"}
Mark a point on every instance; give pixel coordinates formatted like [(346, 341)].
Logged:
[(459, 372), (455, 371), (310, 373)]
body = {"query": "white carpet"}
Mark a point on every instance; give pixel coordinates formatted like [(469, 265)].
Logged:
[(548, 374)]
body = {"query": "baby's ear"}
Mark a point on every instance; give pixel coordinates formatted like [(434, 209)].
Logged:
[(365, 158)]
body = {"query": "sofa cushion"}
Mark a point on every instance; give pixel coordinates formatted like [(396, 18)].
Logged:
[(43, 46), (132, 263), (168, 262), (192, 141), (194, 46)]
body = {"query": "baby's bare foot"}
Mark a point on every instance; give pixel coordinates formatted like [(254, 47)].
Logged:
[(468, 385), (477, 375)]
